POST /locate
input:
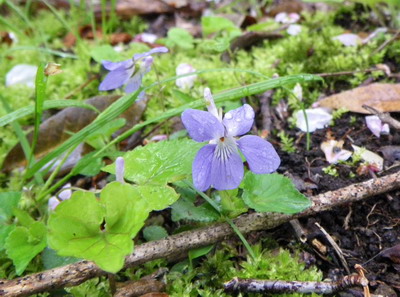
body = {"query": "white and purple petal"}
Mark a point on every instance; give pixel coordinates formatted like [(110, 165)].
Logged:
[(115, 79), (227, 169), (202, 125), (239, 121), (201, 168), (115, 65), (155, 50), (133, 84), (260, 154)]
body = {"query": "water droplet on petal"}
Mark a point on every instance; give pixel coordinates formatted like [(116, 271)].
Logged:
[(238, 120), (249, 113), (228, 116)]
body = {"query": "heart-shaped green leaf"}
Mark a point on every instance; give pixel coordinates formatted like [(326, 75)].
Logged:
[(272, 192)]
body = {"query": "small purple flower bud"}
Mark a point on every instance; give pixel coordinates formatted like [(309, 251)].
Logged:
[(119, 169)]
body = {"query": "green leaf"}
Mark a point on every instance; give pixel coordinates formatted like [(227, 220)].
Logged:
[(157, 197), (199, 252), (154, 233), (8, 201), (212, 24), (160, 162), (185, 98), (272, 192), (23, 244), (52, 260), (23, 217), (230, 203), (104, 52), (100, 230), (184, 209), (180, 37), (5, 230)]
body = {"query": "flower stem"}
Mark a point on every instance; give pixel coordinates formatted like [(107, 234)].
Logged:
[(228, 220)]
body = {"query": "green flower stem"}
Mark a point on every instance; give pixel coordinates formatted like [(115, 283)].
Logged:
[(228, 220)]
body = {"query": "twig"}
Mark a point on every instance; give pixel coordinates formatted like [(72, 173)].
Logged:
[(77, 273), (335, 247), (383, 116), (383, 45), (287, 287)]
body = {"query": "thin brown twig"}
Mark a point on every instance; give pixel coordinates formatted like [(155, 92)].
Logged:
[(77, 273), (383, 45)]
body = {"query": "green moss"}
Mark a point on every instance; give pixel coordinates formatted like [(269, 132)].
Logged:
[(207, 279)]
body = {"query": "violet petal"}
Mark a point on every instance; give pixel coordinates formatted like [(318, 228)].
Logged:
[(155, 50), (119, 169), (374, 124), (260, 154), (53, 203), (115, 65), (227, 174), (115, 79), (202, 125), (239, 120), (201, 168), (133, 84)]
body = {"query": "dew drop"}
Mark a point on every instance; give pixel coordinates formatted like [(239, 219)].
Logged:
[(238, 120), (249, 113), (228, 116)]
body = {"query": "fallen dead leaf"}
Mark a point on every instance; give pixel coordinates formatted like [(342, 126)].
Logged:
[(58, 128), (383, 97)]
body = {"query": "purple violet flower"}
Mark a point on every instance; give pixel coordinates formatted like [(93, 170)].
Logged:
[(219, 163), (130, 72)]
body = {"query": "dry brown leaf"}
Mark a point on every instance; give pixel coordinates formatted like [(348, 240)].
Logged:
[(58, 128), (383, 97)]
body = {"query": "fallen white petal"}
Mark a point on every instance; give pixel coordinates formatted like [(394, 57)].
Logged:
[(369, 157), (376, 126), (294, 30), (186, 82), (148, 37), (21, 74), (285, 18), (333, 151), (348, 39), (318, 118)]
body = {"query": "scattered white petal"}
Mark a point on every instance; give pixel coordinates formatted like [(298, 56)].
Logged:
[(285, 18), (22, 74), (369, 157), (318, 118), (348, 39), (294, 30), (148, 37), (376, 126), (119, 48), (333, 151), (159, 137), (13, 37), (298, 91), (186, 82)]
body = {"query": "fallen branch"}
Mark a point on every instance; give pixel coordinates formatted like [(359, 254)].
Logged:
[(74, 274), (290, 287)]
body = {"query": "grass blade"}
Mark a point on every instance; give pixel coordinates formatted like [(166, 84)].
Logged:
[(61, 103), (40, 90)]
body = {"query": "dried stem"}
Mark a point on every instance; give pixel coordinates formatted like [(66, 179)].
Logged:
[(171, 246)]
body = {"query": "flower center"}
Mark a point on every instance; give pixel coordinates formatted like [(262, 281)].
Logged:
[(225, 147)]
